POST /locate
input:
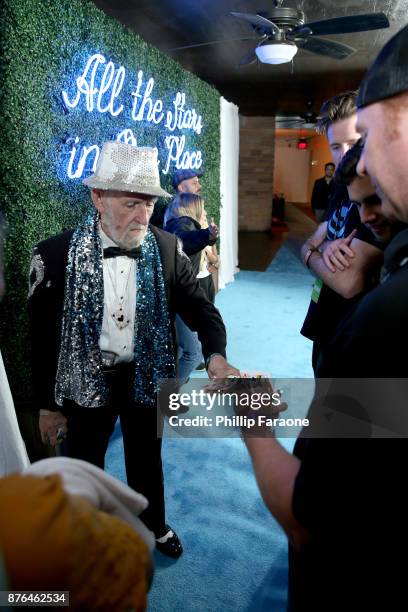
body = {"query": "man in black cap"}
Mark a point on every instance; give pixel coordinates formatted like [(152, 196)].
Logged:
[(383, 123), (187, 181), (362, 479), (372, 342), (341, 498)]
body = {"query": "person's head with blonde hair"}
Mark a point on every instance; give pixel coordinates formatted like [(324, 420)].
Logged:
[(185, 205)]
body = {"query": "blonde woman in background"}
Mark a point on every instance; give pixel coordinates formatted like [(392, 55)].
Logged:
[(185, 217)]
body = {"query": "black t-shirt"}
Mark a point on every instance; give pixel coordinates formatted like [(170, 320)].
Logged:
[(350, 493), (327, 307)]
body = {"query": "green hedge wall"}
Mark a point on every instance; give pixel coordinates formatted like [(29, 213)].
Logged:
[(45, 47)]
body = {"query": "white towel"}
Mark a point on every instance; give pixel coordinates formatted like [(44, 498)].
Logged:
[(105, 492), (13, 454)]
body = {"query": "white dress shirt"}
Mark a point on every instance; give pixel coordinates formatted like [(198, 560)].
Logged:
[(119, 281)]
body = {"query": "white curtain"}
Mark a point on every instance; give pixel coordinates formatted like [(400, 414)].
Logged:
[(13, 454), (229, 192)]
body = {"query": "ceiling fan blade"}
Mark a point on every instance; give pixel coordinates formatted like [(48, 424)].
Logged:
[(281, 119), (343, 25), (288, 122), (257, 20), (213, 42), (289, 125), (329, 48), (248, 58)]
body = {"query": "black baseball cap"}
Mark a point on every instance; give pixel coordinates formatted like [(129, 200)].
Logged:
[(183, 175), (388, 75)]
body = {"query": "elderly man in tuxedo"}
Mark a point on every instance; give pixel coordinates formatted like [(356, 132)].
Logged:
[(102, 305)]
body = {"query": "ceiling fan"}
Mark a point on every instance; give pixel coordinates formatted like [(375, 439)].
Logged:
[(305, 121), (284, 30)]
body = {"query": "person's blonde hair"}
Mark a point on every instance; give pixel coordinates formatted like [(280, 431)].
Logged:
[(185, 205)]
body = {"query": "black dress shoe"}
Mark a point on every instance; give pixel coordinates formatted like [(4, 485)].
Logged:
[(168, 543)]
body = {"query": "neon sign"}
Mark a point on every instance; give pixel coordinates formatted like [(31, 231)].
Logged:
[(100, 88), (83, 158), (154, 113), (88, 89), (181, 158)]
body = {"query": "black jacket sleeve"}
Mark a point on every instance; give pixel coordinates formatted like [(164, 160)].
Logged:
[(193, 238), (45, 304)]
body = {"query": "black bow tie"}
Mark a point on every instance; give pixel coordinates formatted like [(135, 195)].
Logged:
[(118, 252)]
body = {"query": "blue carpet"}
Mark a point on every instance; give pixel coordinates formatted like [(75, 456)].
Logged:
[(235, 556)]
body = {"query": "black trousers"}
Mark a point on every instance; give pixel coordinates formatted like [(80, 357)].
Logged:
[(318, 346), (207, 283), (89, 430)]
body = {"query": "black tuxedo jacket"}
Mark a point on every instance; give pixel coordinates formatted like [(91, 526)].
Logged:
[(322, 193), (45, 305)]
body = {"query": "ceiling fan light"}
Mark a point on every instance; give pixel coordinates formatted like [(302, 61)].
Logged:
[(276, 53)]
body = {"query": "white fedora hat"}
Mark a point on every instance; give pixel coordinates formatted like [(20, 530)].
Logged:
[(124, 167)]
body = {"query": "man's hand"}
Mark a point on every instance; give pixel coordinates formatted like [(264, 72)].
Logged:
[(51, 425), (219, 367), (336, 253), (245, 389)]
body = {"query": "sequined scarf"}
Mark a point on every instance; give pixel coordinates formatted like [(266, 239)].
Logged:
[(80, 376)]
